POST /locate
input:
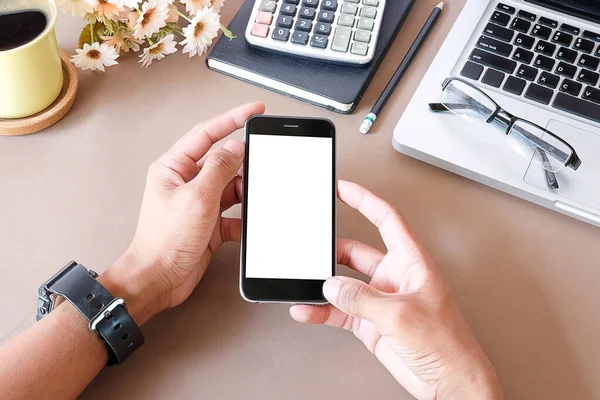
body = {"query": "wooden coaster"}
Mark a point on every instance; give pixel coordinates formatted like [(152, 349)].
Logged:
[(52, 114)]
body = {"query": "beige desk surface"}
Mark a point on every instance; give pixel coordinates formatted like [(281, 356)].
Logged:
[(526, 278)]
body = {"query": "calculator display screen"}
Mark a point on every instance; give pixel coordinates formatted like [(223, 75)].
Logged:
[(290, 207)]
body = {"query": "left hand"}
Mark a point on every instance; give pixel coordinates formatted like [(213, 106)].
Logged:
[(180, 225)]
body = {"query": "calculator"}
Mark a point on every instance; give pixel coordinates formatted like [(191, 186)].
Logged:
[(342, 31)]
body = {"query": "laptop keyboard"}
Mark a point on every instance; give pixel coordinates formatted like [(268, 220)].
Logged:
[(540, 59)]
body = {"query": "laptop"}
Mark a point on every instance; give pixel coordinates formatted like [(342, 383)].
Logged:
[(538, 60)]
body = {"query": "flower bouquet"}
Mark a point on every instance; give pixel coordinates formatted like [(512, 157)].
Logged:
[(152, 26)]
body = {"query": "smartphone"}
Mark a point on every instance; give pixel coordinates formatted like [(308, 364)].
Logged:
[(288, 212)]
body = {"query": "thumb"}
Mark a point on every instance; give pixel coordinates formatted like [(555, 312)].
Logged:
[(220, 167), (355, 298)]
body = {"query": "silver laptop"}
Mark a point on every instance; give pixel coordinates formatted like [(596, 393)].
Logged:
[(512, 100)]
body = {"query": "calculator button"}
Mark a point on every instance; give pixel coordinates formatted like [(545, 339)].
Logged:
[(260, 30), (362, 36), (365, 23), (346, 20), (352, 1), (341, 39), (303, 25), (288, 9), (268, 6), (263, 17), (349, 8), (330, 5), (372, 3), (319, 41), (307, 12), (284, 21), (322, 28), (310, 3), (291, 1), (326, 16), (359, 48), (368, 11), (282, 34), (300, 37)]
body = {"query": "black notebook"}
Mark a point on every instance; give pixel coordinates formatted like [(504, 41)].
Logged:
[(336, 87)]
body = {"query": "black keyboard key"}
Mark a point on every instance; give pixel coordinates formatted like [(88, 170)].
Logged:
[(300, 37), (319, 41), (562, 38), (493, 78), (303, 25), (549, 80), (567, 55), (505, 8), (565, 69), (577, 106), (571, 87), (539, 93), (321, 28), (520, 25), (587, 46), (282, 34), (588, 77), (284, 21), (514, 85), (291, 1), (472, 70), (494, 46), (524, 41), (591, 94), (310, 3), (591, 35), (542, 32), (492, 60), (498, 32), (288, 9), (307, 13), (569, 29), (545, 48), (589, 62), (326, 16), (526, 15), (522, 55), (330, 5), (500, 18), (548, 22), (598, 52), (527, 72), (544, 62)]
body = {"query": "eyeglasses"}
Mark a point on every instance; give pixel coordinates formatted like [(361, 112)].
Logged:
[(537, 144)]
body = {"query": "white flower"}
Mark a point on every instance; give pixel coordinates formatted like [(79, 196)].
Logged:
[(133, 4), (95, 57), (217, 4), (193, 6), (76, 7), (158, 50), (153, 17), (201, 32)]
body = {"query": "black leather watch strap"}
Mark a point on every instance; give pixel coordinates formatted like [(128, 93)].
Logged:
[(107, 316)]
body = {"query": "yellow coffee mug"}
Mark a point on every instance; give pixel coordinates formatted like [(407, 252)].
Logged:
[(31, 76)]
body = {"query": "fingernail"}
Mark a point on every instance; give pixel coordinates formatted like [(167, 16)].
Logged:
[(235, 147), (331, 288)]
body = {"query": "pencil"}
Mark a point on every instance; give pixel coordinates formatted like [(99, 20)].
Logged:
[(410, 56)]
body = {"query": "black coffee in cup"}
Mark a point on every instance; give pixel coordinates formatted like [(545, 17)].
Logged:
[(19, 28)]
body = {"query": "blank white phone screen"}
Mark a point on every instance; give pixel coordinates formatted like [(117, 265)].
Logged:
[(289, 208)]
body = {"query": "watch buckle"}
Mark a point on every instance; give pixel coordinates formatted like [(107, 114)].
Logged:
[(106, 313)]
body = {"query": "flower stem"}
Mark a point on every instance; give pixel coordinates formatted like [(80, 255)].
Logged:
[(150, 41), (92, 32), (227, 32), (182, 15)]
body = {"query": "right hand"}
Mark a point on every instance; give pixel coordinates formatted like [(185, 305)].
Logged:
[(406, 315)]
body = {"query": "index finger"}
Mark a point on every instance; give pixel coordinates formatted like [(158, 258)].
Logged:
[(196, 143), (382, 214)]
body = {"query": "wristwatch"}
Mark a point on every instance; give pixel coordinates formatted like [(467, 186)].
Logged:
[(108, 317)]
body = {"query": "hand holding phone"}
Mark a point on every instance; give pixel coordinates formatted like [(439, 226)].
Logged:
[(288, 234)]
